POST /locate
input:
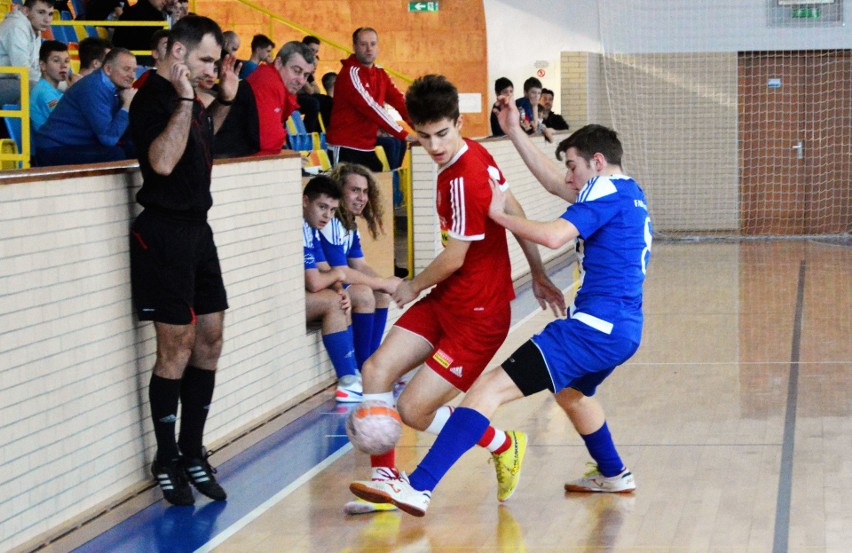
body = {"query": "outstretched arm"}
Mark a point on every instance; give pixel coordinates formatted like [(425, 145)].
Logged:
[(547, 172), (553, 234), (547, 293)]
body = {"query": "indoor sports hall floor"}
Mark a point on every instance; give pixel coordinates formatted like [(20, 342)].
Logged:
[(735, 417)]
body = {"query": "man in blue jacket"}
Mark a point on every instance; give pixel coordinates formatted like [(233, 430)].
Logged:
[(89, 122)]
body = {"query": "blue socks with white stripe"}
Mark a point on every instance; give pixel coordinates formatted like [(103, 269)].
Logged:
[(340, 350)]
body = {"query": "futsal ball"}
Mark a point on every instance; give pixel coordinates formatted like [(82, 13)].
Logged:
[(374, 427)]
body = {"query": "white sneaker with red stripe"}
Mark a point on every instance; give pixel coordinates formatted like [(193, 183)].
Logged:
[(349, 389)]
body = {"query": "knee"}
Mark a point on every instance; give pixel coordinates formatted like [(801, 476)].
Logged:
[(362, 297), (412, 416), (173, 353), (572, 401), (210, 343), (382, 300)]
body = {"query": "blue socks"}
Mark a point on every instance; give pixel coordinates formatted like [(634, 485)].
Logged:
[(340, 350), (602, 450), (362, 337), (463, 429), (380, 320)]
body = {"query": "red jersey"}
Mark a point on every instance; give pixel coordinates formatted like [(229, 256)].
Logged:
[(463, 197), (275, 104), (358, 111)]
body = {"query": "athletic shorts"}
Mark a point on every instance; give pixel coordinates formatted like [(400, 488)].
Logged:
[(567, 354), (174, 270), (367, 158), (463, 344)]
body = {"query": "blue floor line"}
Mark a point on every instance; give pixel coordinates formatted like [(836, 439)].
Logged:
[(257, 474), (252, 477)]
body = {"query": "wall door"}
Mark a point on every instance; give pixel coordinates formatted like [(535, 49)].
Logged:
[(795, 127)]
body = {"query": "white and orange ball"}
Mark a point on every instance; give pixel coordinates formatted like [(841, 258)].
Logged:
[(374, 427)]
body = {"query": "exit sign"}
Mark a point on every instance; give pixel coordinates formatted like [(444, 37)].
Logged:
[(422, 6), (806, 13)]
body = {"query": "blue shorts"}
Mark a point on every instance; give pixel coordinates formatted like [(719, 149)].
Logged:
[(579, 356)]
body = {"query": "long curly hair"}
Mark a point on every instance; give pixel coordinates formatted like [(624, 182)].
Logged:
[(373, 212)]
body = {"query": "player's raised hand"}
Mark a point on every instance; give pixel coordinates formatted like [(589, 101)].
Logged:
[(508, 115), (548, 294), (497, 208), (228, 78)]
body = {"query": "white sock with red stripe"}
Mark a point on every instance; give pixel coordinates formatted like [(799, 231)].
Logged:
[(494, 440)]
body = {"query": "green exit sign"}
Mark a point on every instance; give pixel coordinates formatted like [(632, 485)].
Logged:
[(422, 6), (806, 13)]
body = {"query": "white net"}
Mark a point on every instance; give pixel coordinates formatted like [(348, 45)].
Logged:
[(736, 115)]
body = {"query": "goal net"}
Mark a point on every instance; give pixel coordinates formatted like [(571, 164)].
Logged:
[(736, 115)]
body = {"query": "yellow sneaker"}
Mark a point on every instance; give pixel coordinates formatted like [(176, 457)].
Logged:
[(508, 465)]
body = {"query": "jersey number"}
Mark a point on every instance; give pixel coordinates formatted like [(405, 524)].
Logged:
[(649, 237)]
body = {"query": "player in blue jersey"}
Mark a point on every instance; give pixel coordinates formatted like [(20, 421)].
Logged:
[(572, 356), (325, 298), (341, 244)]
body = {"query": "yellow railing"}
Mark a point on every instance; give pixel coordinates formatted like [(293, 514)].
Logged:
[(23, 155), (325, 40)]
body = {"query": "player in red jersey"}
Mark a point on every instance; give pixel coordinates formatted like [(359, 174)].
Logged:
[(458, 326)]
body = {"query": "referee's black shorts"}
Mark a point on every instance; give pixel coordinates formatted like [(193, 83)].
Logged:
[(174, 270)]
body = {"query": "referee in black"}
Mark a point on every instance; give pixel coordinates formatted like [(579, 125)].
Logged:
[(175, 273)]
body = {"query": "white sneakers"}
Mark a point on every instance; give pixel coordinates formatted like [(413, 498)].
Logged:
[(594, 481), (349, 389), (396, 490)]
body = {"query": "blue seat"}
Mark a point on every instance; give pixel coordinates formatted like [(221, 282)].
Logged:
[(13, 126), (317, 140)]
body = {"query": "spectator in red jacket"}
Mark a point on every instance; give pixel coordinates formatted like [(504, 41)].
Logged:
[(360, 94), (264, 102)]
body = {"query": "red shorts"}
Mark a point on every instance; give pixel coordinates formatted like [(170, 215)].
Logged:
[(464, 343)]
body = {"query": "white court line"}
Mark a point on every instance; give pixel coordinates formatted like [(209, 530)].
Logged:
[(269, 503)]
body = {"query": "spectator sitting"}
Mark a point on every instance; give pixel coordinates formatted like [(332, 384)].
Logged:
[(139, 38), (261, 51), (550, 119), (175, 10), (312, 102), (528, 106), (363, 88), (89, 122), (103, 10), (231, 43), (93, 50), (54, 62), (328, 81), (264, 102), (20, 40), (159, 50), (325, 298), (502, 87)]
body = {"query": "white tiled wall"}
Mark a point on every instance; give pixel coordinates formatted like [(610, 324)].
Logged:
[(75, 363)]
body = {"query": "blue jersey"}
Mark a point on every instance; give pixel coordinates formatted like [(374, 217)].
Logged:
[(614, 248), (313, 250), (340, 244)]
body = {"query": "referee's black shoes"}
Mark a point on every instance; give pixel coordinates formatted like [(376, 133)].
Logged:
[(200, 474), (173, 482)]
